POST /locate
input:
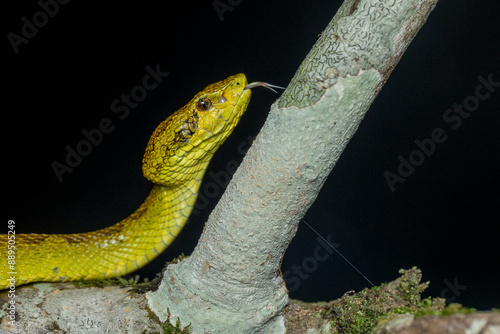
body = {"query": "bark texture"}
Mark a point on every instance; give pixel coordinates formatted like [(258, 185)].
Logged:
[(478, 323), (231, 283), (62, 308), (391, 308)]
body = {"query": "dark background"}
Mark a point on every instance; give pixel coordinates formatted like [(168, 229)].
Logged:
[(444, 218)]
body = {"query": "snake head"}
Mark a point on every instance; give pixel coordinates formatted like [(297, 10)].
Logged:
[(181, 146)]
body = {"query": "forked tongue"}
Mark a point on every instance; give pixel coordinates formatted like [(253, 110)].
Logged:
[(263, 84)]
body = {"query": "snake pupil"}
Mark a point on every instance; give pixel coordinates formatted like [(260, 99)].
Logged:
[(203, 104)]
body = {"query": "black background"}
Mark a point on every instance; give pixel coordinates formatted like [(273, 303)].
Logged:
[(444, 218)]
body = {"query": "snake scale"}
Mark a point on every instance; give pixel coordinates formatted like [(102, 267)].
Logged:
[(175, 160)]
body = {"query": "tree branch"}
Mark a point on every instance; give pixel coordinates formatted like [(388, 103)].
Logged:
[(231, 282)]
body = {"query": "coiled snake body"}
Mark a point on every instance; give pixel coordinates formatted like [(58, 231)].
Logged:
[(176, 158)]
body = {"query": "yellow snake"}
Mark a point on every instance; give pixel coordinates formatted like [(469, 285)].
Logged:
[(176, 158)]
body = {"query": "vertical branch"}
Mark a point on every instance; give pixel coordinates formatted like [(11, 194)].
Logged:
[(231, 283)]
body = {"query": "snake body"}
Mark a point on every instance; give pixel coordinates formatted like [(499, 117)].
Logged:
[(176, 158)]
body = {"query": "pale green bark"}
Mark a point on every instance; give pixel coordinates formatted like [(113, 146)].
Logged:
[(231, 282)]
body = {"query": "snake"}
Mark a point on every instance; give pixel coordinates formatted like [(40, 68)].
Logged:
[(176, 158)]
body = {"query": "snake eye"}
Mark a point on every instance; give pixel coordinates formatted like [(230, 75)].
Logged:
[(203, 104)]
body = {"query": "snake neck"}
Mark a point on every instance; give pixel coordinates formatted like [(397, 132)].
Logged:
[(155, 224), (113, 251), (163, 214)]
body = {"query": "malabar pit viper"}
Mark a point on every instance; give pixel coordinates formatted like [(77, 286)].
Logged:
[(175, 161)]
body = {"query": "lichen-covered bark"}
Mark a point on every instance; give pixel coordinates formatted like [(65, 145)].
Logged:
[(394, 307), (362, 35), (62, 308), (479, 322), (231, 282), (233, 274)]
